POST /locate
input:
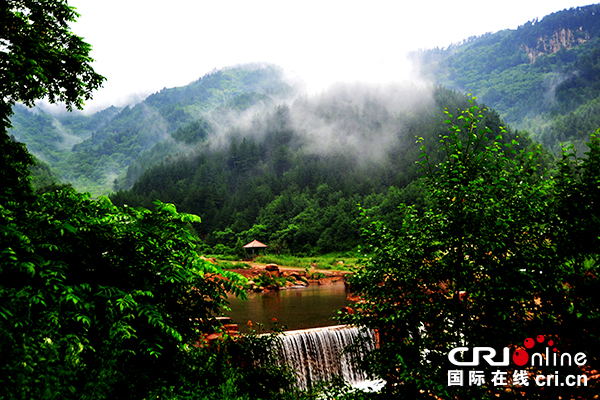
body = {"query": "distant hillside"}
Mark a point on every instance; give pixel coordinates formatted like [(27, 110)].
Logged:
[(534, 76), (92, 151), (293, 175), (543, 77)]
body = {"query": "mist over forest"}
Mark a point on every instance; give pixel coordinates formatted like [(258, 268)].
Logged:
[(293, 175), (256, 157)]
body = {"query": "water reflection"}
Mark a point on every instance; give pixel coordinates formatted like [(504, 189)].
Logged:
[(305, 308)]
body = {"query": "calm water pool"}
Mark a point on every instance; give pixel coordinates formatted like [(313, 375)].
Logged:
[(309, 307)]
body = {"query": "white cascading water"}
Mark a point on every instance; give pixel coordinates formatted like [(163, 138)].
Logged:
[(316, 354)]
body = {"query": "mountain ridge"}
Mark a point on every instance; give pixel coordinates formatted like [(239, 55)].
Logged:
[(532, 75), (109, 140), (535, 76)]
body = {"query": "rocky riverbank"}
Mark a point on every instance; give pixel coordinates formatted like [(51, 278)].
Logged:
[(268, 277)]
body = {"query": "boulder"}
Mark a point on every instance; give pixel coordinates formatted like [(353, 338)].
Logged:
[(231, 327), (272, 270), (272, 267), (212, 337), (297, 276), (354, 298)]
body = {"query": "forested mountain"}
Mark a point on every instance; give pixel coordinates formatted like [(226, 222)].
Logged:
[(543, 76), (256, 159), (91, 151), (293, 176)]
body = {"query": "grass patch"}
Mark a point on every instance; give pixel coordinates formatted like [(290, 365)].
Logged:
[(231, 265), (316, 275), (328, 261), (227, 257), (334, 261)]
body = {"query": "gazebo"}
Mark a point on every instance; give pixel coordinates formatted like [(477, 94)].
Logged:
[(255, 244)]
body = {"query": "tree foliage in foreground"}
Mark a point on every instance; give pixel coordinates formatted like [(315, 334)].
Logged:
[(95, 300), (42, 57), (98, 301), (505, 253)]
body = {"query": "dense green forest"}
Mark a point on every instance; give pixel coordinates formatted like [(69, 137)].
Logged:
[(293, 174), (534, 76), (542, 78), (243, 147), (293, 177)]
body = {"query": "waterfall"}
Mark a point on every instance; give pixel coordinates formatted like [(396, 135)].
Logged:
[(316, 354)]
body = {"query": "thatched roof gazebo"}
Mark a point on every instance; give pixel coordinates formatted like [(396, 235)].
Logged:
[(255, 245)]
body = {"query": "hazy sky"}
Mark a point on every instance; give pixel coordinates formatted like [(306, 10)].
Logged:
[(142, 46)]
